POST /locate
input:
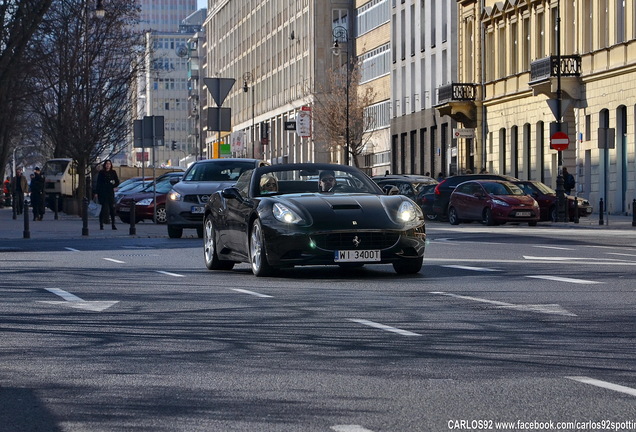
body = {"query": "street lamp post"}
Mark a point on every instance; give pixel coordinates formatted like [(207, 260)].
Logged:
[(249, 79), (340, 34), (560, 190)]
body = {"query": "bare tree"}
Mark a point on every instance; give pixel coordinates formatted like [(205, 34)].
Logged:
[(19, 20), (330, 115), (85, 71)]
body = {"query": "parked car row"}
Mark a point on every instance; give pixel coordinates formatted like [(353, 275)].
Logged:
[(489, 198)]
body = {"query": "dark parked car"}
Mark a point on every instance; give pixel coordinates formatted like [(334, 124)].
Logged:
[(444, 189), (417, 187), (145, 200), (188, 197), (547, 199), (492, 202), (296, 224)]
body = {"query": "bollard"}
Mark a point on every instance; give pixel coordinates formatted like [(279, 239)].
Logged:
[(576, 209), (84, 216), (600, 212), (633, 213), (26, 233), (56, 202), (132, 230), (15, 213)]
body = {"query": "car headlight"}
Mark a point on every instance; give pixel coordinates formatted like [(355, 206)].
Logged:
[(174, 196), (144, 202), (285, 214), (409, 212), (500, 202)]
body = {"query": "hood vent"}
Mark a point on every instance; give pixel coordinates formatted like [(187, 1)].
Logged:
[(352, 206)]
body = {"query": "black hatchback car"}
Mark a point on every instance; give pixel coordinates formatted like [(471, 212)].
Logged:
[(446, 187)]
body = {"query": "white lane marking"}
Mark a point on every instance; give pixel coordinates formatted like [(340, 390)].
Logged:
[(169, 274), (604, 384), (553, 309), (563, 279), (482, 269), (244, 291), (115, 261), (349, 428), (384, 327), (530, 259), (138, 247), (71, 300), (71, 249), (552, 247), (621, 254)]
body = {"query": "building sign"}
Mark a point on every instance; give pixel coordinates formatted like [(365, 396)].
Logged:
[(303, 122)]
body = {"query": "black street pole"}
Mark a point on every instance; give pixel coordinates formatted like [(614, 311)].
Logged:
[(561, 213), (339, 33)]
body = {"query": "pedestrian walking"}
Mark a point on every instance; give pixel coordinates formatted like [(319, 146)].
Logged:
[(568, 181), (37, 195), (18, 187), (105, 185)]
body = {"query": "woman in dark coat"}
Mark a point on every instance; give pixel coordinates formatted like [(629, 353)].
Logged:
[(107, 181), (37, 195)]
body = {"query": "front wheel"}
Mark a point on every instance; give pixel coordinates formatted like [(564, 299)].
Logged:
[(174, 232), (212, 261), (487, 217), (162, 217), (408, 265), (258, 257)]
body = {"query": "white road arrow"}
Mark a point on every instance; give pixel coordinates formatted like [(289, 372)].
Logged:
[(71, 300)]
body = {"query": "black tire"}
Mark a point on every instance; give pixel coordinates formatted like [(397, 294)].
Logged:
[(212, 261), (174, 232), (162, 216), (258, 257), (125, 219), (408, 265), (532, 223), (200, 232), (487, 218), (453, 218), (553, 214)]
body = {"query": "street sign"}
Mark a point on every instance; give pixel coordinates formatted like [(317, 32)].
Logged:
[(303, 122), (559, 141), (463, 133), (290, 126), (219, 88), (219, 119)]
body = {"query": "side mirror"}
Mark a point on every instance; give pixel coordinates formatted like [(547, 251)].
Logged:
[(391, 190), (231, 193)]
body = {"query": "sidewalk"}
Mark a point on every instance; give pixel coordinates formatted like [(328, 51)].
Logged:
[(71, 226)]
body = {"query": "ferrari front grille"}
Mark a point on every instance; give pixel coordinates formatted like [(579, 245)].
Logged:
[(356, 240)]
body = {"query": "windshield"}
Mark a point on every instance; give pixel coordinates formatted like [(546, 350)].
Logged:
[(217, 170), (503, 188), (292, 181), (163, 186), (56, 167)]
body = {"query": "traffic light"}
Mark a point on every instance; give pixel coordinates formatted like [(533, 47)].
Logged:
[(174, 145)]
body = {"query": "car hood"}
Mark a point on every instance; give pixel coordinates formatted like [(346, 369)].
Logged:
[(517, 200), (200, 188), (359, 211), (142, 195)]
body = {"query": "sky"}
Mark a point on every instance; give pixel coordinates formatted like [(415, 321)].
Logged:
[(202, 4)]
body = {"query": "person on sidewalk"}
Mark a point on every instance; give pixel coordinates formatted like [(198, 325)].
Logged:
[(37, 195), (105, 185), (568, 181), (18, 187)]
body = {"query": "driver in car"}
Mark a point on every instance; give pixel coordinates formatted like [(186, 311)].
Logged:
[(327, 181)]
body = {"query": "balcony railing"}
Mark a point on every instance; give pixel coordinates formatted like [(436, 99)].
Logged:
[(549, 67), (456, 92)]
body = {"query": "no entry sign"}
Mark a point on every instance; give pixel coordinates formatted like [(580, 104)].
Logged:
[(559, 141)]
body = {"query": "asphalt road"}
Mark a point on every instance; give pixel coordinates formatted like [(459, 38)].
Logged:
[(503, 324)]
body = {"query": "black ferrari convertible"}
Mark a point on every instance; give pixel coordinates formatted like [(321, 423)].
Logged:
[(311, 214)]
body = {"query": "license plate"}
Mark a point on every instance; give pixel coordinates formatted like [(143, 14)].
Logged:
[(356, 255), (197, 209), (524, 214), (124, 209)]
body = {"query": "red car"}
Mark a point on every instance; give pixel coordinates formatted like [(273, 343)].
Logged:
[(145, 201), (492, 202), (547, 199)]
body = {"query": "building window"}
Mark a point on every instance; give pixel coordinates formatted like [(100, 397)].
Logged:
[(372, 15), (375, 63), (513, 48), (526, 56), (540, 47), (620, 21)]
